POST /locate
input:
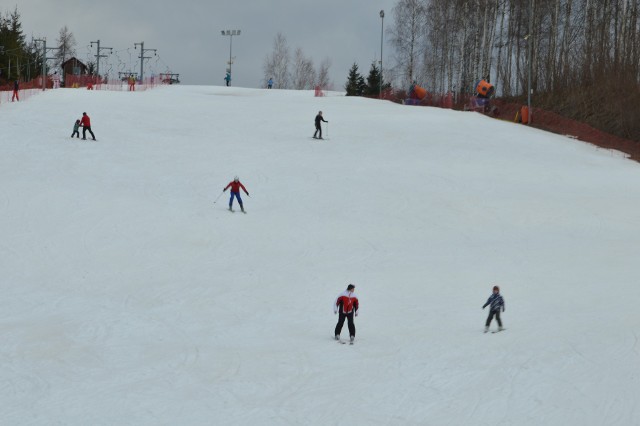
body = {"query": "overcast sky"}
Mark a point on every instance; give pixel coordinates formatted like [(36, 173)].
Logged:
[(187, 34)]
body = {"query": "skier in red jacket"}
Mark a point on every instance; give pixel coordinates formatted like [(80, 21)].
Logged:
[(346, 305), (86, 125), (235, 192)]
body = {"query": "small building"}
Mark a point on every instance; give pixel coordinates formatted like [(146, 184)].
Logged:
[(73, 67)]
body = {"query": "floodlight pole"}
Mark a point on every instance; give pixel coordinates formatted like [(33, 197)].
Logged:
[(381, 41), (230, 33)]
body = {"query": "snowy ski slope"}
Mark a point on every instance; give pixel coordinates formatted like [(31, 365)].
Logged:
[(130, 298)]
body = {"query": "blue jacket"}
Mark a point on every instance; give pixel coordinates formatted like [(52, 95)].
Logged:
[(496, 301)]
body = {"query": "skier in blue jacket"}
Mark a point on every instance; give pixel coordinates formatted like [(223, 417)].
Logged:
[(497, 304)]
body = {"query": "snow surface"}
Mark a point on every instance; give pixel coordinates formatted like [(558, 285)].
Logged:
[(129, 297)]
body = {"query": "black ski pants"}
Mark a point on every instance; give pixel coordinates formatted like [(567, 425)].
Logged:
[(349, 317), (84, 132), (318, 129), (490, 318)]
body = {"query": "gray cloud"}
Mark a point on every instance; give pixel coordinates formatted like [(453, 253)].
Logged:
[(187, 33)]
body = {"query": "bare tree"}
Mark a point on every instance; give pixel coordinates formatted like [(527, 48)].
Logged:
[(323, 74), (67, 44), (407, 36), (585, 54), (304, 74), (276, 64)]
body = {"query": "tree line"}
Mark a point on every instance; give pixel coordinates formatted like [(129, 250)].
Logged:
[(21, 59), (294, 72), (583, 55), (373, 86), (449, 44)]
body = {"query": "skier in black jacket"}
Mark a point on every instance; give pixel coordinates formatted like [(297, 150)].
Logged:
[(497, 304), (318, 127)]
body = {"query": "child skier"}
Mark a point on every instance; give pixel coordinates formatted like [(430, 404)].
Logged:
[(346, 305), (76, 126), (235, 192), (497, 304)]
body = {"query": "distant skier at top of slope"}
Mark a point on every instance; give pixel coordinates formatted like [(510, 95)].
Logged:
[(346, 305), (16, 89), (318, 127), (235, 186), (497, 304)]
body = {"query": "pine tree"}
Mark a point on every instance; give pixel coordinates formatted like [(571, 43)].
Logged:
[(361, 85), (19, 60), (372, 87), (355, 82)]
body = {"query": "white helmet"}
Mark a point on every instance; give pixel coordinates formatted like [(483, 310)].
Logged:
[(236, 179)]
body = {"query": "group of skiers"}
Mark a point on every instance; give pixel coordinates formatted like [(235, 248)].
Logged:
[(347, 305), (85, 123)]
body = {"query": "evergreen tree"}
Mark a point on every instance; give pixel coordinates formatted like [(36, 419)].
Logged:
[(355, 82), (373, 82), (19, 59)]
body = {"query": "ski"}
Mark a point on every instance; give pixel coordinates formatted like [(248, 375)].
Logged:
[(498, 331)]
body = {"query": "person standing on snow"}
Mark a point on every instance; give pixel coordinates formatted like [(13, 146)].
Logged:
[(75, 129), (56, 80), (318, 127), (497, 304), (227, 79), (86, 125), (16, 88), (270, 83), (346, 305), (235, 192)]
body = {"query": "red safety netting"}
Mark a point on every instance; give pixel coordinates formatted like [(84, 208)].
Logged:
[(30, 88)]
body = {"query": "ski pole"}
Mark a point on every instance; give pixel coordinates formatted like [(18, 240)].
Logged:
[(327, 129), (218, 197)]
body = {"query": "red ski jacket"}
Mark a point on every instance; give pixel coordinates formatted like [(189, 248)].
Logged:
[(348, 301), (86, 121), (235, 187)]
